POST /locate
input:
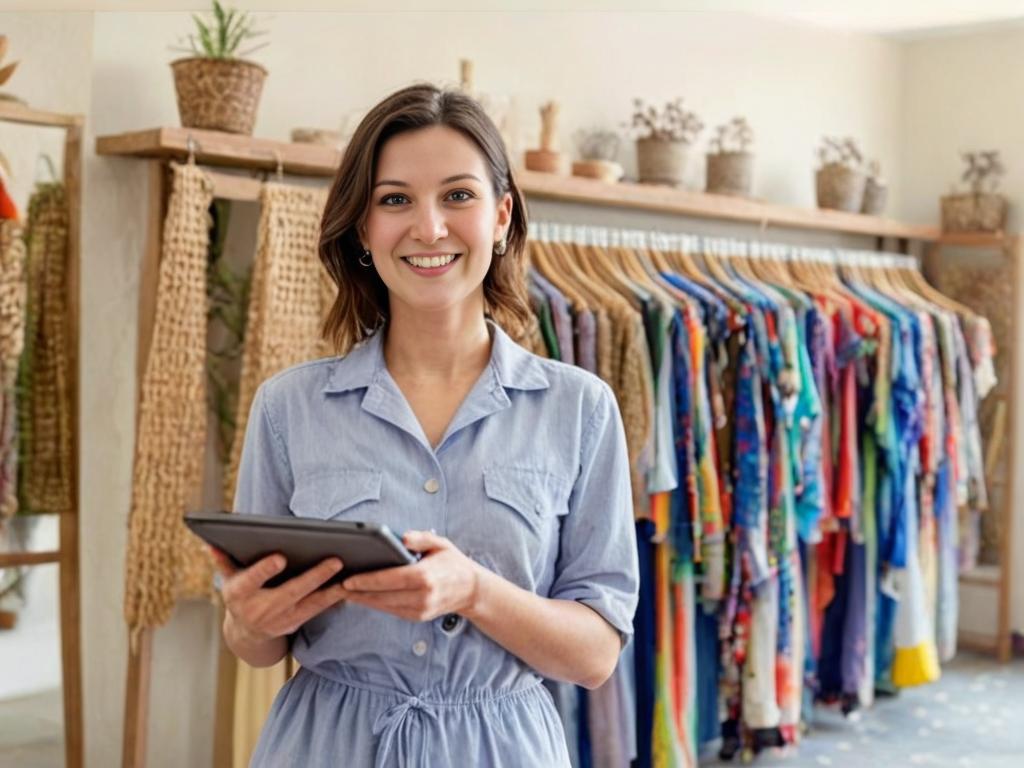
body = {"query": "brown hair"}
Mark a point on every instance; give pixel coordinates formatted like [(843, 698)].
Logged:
[(361, 306)]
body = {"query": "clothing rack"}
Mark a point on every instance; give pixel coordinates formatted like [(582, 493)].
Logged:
[(66, 556)]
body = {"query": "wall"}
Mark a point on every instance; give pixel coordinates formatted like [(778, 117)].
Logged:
[(960, 95), (793, 83)]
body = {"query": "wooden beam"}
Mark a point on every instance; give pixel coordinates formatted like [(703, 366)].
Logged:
[(11, 559), (14, 112)]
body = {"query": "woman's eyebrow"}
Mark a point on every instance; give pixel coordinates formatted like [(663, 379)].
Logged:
[(449, 180)]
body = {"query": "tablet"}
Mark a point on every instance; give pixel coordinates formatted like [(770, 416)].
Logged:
[(304, 543)]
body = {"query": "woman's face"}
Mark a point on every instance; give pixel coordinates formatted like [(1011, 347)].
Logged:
[(432, 200)]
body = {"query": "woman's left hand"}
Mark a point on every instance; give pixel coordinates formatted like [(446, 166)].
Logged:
[(443, 581)]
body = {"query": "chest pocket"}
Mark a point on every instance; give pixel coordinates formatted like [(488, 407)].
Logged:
[(535, 495), (338, 493)]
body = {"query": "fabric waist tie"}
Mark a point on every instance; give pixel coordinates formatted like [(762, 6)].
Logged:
[(393, 727)]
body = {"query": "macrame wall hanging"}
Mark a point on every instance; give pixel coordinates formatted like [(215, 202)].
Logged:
[(164, 561), (12, 340), (44, 405)]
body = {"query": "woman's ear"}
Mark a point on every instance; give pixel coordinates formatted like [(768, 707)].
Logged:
[(504, 217)]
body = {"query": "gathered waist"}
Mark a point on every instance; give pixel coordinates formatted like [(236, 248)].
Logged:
[(468, 696)]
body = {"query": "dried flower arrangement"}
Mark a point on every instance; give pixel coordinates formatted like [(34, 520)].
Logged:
[(6, 70), (984, 170), (671, 123), (844, 152), (734, 136)]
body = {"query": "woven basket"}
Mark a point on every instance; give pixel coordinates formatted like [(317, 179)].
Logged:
[(974, 212), (840, 188), (218, 94), (661, 161), (875, 197), (730, 173)]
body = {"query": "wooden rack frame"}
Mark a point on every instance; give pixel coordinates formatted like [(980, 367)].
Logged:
[(66, 554), (1001, 578), (214, 148)]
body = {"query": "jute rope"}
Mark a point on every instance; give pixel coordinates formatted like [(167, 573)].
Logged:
[(164, 561), (13, 291)]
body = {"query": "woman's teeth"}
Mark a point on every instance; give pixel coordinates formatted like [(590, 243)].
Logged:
[(431, 262)]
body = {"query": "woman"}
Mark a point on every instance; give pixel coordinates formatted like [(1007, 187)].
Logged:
[(508, 472)]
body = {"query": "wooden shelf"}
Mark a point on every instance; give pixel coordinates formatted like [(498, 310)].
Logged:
[(15, 112), (999, 240), (230, 150), (224, 149), (665, 199)]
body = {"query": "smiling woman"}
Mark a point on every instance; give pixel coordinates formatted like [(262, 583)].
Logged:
[(508, 472), (395, 182)]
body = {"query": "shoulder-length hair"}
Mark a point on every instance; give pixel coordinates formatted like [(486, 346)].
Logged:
[(361, 306)]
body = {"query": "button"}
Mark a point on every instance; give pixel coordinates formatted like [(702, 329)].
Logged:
[(431, 486), (414, 702), (419, 647), (449, 622)]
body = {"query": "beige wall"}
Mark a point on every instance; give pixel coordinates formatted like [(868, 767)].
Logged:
[(794, 84), (960, 95)]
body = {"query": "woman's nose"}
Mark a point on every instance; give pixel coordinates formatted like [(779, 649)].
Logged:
[(429, 226)]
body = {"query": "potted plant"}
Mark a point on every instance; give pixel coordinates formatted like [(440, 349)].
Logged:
[(217, 88), (598, 150), (982, 209), (6, 71), (662, 139), (730, 164), (840, 180), (876, 191)]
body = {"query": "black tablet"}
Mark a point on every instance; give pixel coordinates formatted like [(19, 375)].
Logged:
[(304, 543)]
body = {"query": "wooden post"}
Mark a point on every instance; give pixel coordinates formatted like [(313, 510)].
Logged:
[(1004, 646), (70, 578), (136, 708)]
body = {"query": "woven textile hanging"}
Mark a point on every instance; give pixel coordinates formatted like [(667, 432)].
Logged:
[(165, 562), (12, 340), (44, 411), (290, 295)]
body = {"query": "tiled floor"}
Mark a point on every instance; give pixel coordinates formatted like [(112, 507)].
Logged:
[(972, 718)]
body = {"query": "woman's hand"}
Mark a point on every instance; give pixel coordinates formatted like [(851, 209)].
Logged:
[(443, 581), (259, 613)]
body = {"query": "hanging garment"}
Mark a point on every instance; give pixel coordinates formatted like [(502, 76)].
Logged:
[(165, 561), (13, 292), (45, 414)]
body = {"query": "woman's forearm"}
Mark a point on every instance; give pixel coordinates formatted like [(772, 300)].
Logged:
[(254, 652), (561, 639)]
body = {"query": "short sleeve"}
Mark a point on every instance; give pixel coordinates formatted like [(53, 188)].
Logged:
[(264, 485), (597, 561)]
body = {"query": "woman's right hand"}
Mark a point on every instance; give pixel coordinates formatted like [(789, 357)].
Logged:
[(262, 613)]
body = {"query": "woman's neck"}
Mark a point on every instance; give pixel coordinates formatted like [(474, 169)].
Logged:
[(446, 347)]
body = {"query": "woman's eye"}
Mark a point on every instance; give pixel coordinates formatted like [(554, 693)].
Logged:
[(387, 198), (468, 195)]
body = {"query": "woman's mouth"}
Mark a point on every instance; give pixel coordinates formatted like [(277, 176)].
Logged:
[(431, 265)]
